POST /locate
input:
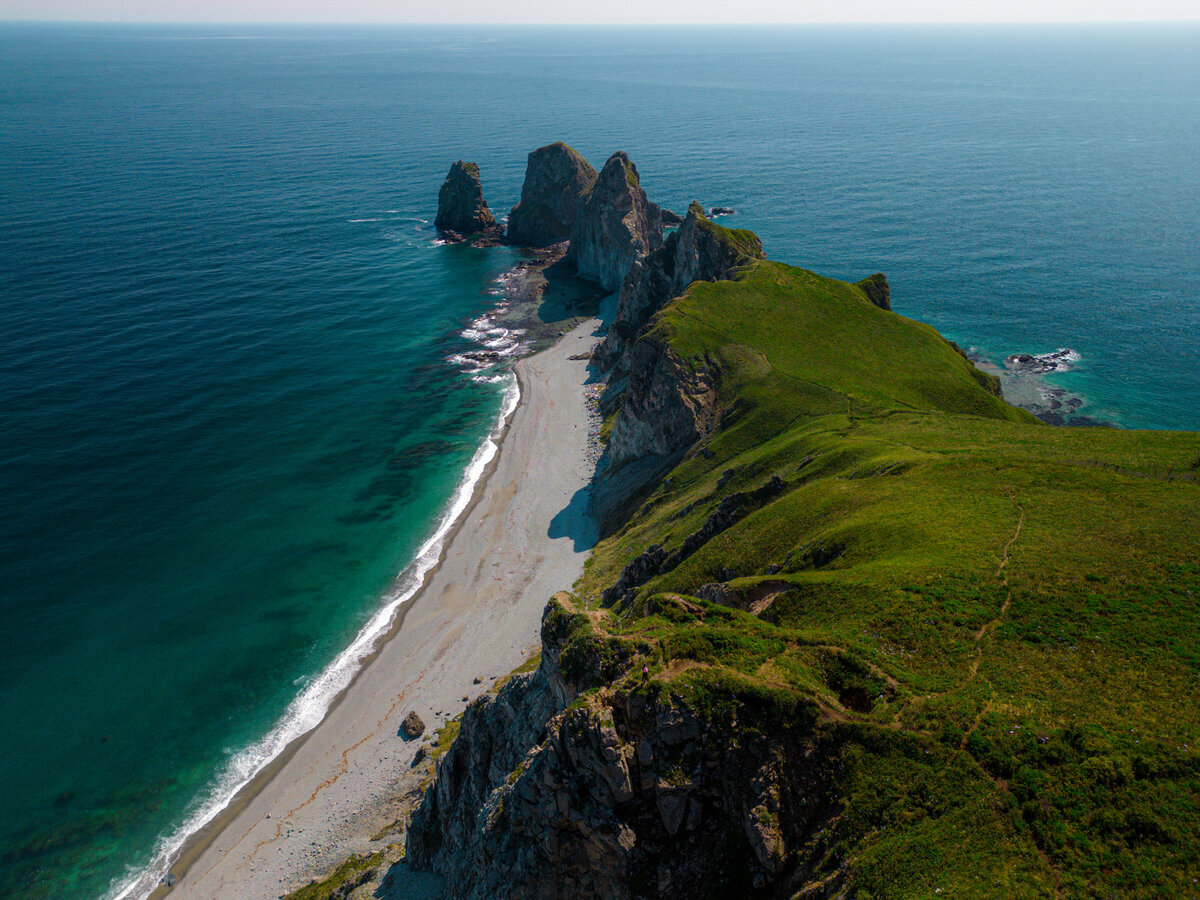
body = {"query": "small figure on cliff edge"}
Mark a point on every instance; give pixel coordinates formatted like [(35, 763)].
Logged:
[(645, 674)]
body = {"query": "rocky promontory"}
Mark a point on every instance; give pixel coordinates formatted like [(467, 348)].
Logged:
[(699, 251), (557, 178), (462, 211), (616, 224)]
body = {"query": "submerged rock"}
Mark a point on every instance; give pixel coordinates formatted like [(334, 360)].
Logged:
[(557, 178), (615, 225), (462, 211)]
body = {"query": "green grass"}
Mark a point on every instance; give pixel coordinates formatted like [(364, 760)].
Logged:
[(349, 871), (1002, 612)]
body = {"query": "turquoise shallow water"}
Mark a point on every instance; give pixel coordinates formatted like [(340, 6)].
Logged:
[(229, 416)]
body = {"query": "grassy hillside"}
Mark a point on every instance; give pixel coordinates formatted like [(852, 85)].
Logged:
[(994, 622)]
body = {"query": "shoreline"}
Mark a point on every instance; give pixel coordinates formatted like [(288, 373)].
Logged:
[(210, 863), (465, 498)]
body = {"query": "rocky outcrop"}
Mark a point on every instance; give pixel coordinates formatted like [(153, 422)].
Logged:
[(615, 225), (655, 560), (628, 792), (699, 251), (557, 178), (496, 734), (877, 290), (462, 211)]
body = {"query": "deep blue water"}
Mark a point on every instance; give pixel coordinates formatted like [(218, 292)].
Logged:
[(227, 415)]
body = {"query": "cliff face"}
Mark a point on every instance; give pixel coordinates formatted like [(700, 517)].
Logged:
[(557, 178), (615, 225), (667, 405), (630, 793), (462, 211), (699, 251)]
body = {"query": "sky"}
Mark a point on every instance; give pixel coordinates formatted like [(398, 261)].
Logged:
[(603, 11)]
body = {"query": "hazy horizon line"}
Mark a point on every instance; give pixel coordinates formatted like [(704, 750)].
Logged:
[(606, 24)]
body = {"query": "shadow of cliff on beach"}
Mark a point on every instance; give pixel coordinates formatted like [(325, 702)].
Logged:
[(613, 491)]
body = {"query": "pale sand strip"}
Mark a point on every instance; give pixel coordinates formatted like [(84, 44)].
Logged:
[(525, 538)]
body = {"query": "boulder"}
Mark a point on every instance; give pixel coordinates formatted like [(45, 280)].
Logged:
[(557, 178), (462, 211), (412, 727), (615, 225)]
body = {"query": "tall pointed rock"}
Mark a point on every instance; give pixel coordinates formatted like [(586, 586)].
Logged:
[(557, 178), (462, 211), (616, 225)]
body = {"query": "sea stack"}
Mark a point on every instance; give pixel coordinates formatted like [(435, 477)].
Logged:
[(616, 225), (462, 211), (557, 178)]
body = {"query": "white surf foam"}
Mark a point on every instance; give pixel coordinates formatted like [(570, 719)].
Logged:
[(309, 707)]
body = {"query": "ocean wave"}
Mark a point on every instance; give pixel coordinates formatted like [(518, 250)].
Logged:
[(310, 706)]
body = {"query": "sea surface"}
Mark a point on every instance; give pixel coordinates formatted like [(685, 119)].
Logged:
[(235, 397)]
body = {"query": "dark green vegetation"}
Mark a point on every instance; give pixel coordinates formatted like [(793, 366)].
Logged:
[(990, 624)]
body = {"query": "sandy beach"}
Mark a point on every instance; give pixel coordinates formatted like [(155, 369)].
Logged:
[(525, 537)]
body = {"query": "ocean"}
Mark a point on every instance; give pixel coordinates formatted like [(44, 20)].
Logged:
[(238, 393)]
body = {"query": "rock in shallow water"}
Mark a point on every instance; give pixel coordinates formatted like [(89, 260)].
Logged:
[(462, 211)]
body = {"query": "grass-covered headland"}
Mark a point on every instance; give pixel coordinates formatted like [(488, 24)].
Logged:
[(933, 646)]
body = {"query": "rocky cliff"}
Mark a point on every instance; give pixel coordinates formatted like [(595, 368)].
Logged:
[(557, 178), (634, 791), (462, 211), (615, 225), (700, 250)]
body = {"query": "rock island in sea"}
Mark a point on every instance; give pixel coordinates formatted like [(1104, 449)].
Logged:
[(826, 617)]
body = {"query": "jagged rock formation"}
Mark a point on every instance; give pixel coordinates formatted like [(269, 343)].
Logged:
[(877, 290), (699, 251), (557, 178), (615, 225), (629, 794), (462, 211)]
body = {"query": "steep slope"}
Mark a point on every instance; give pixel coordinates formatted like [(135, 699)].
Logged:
[(902, 639)]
